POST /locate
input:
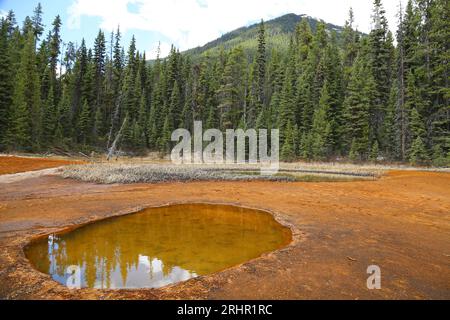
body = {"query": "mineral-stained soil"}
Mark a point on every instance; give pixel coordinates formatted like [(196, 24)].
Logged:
[(11, 164), (400, 223)]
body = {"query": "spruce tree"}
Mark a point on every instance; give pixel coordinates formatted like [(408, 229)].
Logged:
[(374, 152), (99, 66), (357, 105), (334, 89), (142, 114), (231, 92), (261, 68), (439, 36), (65, 125), (49, 119), (405, 33), (305, 150), (321, 131), (350, 47), (152, 130), (305, 104), (381, 62), (317, 62), (418, 154), (288, 148), (117, 63), (6, 82), (175, 104), (287, 113), (54, 51), (84, 124), (38, 26), (275, 83), (391, 131), (165, 140), (98, 129), (24, 132), (304, 39), (417, 126), (439, 158)]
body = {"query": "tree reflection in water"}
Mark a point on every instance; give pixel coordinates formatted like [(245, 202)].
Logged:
[(159, 246)]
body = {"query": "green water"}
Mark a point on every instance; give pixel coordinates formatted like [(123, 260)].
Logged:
[(159, 246)]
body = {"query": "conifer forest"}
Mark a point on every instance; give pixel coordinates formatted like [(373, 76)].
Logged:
[(381, 96)]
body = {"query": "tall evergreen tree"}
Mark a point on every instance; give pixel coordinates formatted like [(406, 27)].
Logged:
[(357, 106), (288, 152), (381, 50), (54, 51), (6, 81), (38, 26), (350, 47), (24, 131), (231, 93), (321, 132), (84, 122), (439, 33), (261, 63), (49, 119)]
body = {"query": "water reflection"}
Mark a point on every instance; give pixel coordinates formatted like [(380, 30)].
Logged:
[(159, 246)]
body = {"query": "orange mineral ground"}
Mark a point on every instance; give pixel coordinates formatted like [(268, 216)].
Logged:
[(400, 222), (11, 164)]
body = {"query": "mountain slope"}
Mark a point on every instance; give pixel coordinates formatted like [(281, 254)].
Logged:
[(278, 33)]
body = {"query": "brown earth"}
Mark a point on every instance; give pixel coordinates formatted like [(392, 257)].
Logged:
[(400, 223), (11, 164)]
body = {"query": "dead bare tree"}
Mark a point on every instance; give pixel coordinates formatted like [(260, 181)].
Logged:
[(111, 148), (114, 119), (116, 141)]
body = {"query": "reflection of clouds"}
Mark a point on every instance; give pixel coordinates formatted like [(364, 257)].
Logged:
[(152, 250), (177, 274), (149, 273), (155, 266), (52, 244)]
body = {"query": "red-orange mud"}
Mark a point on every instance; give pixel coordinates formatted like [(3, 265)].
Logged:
[(400, 223), (10, 165)]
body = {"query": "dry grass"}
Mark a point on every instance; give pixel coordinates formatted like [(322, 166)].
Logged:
[(108, 173), (152, 170), (354, 169), (153, 173)]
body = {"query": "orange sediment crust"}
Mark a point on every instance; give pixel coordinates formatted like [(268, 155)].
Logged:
[(400, 223), (10, 165)]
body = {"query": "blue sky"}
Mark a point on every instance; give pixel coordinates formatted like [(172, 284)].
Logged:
[(88, 27), (185, 23)]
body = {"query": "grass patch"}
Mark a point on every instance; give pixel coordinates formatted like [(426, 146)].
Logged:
[(106, 173), (320, 177), (109, 174)]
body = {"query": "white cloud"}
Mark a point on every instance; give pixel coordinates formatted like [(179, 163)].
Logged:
[(164, 50), (3, 13), (191, 23)]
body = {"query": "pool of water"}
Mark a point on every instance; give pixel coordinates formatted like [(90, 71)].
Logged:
[(157, 246)]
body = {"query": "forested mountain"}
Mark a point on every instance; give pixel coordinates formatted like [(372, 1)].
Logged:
[(331, 95), (278, 34)]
